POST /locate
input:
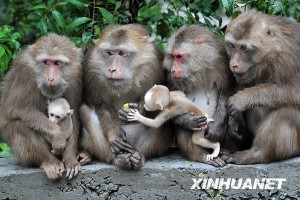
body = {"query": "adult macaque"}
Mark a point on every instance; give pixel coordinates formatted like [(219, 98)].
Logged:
[(48, 69), (120, 68), (173, 104), (264, 58), (60, 113), (196, 63)]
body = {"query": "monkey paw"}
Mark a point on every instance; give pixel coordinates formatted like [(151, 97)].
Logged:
[(73, 168), (137, 160), (58, 145), (53, 169), (228, 157), (119, 143), (233, 127), (84, 158), (123, 161), (191, 122), (215, 132), (133, 115), (123, 112), (217, 162)]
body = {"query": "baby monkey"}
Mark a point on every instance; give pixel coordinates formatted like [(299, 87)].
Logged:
[(173, 104), (60, 113)]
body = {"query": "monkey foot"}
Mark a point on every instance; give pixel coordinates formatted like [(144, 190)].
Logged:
[(84, 158), (123, 161), (224, 151), (228, 157), (53, 169), (210, 157), (137, 160), (217, 162)]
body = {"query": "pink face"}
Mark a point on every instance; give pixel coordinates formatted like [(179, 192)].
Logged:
[(178, 60), (53, 66)]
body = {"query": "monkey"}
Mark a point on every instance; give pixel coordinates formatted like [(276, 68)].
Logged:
[(196, 64), (60, 113), (121, 67), (264, 58), (172, 104), (48, 69)]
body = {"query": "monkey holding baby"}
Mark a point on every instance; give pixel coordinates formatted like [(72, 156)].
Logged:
[(48, 69), (172, 104)]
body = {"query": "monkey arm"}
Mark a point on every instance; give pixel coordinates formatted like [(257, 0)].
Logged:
[(112, 131), (265, 95), (134, 115), (217, 129), (37, 121)]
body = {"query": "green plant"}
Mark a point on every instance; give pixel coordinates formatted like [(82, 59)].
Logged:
[(5, 151), (9, 47)]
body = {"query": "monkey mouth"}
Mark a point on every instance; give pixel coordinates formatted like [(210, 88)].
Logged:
[(240, 75)]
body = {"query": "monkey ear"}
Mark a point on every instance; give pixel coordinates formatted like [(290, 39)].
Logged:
[(48, 101), (159, 106), (148, 39), (70, 112)]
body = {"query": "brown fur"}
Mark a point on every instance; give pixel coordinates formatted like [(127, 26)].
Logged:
[(204, 71), (103, 98), (267, 72), (24, 121)]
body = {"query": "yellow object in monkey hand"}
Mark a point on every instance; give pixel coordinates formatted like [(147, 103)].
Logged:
[(126, 106)]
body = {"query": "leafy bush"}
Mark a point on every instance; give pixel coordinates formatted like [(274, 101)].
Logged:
[(9, 47)]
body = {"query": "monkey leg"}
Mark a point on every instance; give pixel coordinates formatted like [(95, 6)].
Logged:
[(31, 149), (198, 139), (193, 151), (94, 141), (277, 138), (148, 142)]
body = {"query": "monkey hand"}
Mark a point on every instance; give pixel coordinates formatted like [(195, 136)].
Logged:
[(233, 127), (119, 144), (134, 115), (72, 165), (58, 145), (215, 132), (235, 108), (127, 108), (191, 122)]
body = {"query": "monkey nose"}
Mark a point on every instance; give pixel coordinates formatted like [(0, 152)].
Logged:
[(50, 79), (112, 70)]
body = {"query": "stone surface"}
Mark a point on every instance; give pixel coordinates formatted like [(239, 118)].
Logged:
[(169, 177)]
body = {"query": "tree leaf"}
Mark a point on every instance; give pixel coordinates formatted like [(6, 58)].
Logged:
[(108, 17), (77, 22), (39, 8), (43, 26), (58, 18), (78, 4), (2, 50)]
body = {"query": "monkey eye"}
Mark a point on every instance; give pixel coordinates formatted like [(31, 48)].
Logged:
[(51, 115), (122, 53), (231, 45), (58, 63), (57, 117), (243, 47), (109, 53), (46, 62), (178, 56)]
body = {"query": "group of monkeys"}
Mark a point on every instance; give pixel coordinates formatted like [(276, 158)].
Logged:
[(241, 93)]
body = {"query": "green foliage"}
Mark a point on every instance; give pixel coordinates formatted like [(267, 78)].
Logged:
[(9, 47), (5, 151)]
